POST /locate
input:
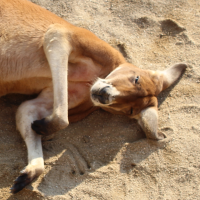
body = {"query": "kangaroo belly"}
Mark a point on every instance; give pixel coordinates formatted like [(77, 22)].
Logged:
[(78, 92)]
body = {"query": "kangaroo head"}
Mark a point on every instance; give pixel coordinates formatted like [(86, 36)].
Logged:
[(129, 90)]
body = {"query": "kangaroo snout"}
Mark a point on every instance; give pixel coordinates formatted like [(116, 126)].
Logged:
[(102, 95)]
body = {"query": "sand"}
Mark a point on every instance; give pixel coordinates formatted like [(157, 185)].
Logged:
[(106, 156)]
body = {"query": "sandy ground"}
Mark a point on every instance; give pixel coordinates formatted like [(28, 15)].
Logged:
[(107, 156)]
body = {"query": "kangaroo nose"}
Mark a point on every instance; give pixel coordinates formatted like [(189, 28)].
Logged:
[(102, 95), (103, 91)]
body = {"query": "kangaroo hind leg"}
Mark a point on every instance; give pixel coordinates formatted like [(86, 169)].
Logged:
[(28, 112)]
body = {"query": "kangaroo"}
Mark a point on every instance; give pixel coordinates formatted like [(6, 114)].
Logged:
[(74, 73)]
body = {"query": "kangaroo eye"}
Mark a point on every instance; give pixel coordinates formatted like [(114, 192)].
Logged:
[(137, 78)]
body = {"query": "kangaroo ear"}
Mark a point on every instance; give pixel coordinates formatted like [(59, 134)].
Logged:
[(172, 74), (148, 120)]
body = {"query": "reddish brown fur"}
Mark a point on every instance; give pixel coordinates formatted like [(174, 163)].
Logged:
[(24, 68)]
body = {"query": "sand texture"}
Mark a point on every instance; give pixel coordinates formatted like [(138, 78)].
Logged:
[(107, 157)]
